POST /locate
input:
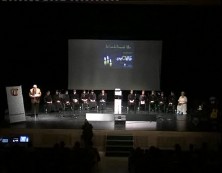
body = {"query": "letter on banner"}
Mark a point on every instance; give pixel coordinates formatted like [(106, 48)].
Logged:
[(15, 104)]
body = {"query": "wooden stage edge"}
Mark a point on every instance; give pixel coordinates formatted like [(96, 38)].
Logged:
[(143, 139)]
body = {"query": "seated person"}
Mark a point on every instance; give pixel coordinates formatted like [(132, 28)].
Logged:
[(84, 100), (102, 100), (48, 102), (131, 101), (213, 105), (213, 109), (92, 100), (142, 100), (57, 101), (66, 101), (171, 105), (161, 102), (153, 101), (182, 104), (74, 98)]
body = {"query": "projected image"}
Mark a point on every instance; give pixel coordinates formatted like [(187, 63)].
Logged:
[(110, 64), (118, 55)]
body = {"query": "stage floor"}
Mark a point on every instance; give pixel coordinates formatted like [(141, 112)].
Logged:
[(163, 130), (127, 120)]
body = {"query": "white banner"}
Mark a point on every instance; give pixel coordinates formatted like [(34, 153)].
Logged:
[(118, 106), (15, 104)]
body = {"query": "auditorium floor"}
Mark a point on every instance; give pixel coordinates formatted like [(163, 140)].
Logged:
[(132, 120), (136, 121), (112, 164)]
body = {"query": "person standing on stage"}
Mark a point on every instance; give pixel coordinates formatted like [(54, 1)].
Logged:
[(182, 104), (35, 94)]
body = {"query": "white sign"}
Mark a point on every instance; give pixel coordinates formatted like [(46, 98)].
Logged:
[(15, 104)]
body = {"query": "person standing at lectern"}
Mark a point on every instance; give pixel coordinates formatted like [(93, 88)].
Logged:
[(35, 94)]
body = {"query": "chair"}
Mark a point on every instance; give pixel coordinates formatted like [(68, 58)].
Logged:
[(131, 105), (142, 105), (92, 100), (170, 108), (48, 106), (153, 102), (66, 102), (102, 100), (74, 98)]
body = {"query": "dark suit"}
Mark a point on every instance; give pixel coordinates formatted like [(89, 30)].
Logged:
[(102, 101), (92, 100), (131, 101), (57, 102), (74, 98)]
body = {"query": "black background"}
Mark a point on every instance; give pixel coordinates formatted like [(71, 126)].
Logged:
[(34, 42)]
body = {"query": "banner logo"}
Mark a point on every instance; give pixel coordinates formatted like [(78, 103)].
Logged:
[(14, 91)]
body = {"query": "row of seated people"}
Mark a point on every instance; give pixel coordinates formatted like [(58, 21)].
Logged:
[(89, 100), (156, 102), (72, 101)]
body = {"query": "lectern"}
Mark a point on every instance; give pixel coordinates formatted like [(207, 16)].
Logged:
[(118, 101)]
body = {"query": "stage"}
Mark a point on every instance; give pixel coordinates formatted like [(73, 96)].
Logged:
[(107, 120), (147, 128)]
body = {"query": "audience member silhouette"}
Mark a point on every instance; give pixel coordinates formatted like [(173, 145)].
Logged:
[(87, 132)]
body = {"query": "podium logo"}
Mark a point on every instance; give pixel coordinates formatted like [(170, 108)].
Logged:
[(14, 91)]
